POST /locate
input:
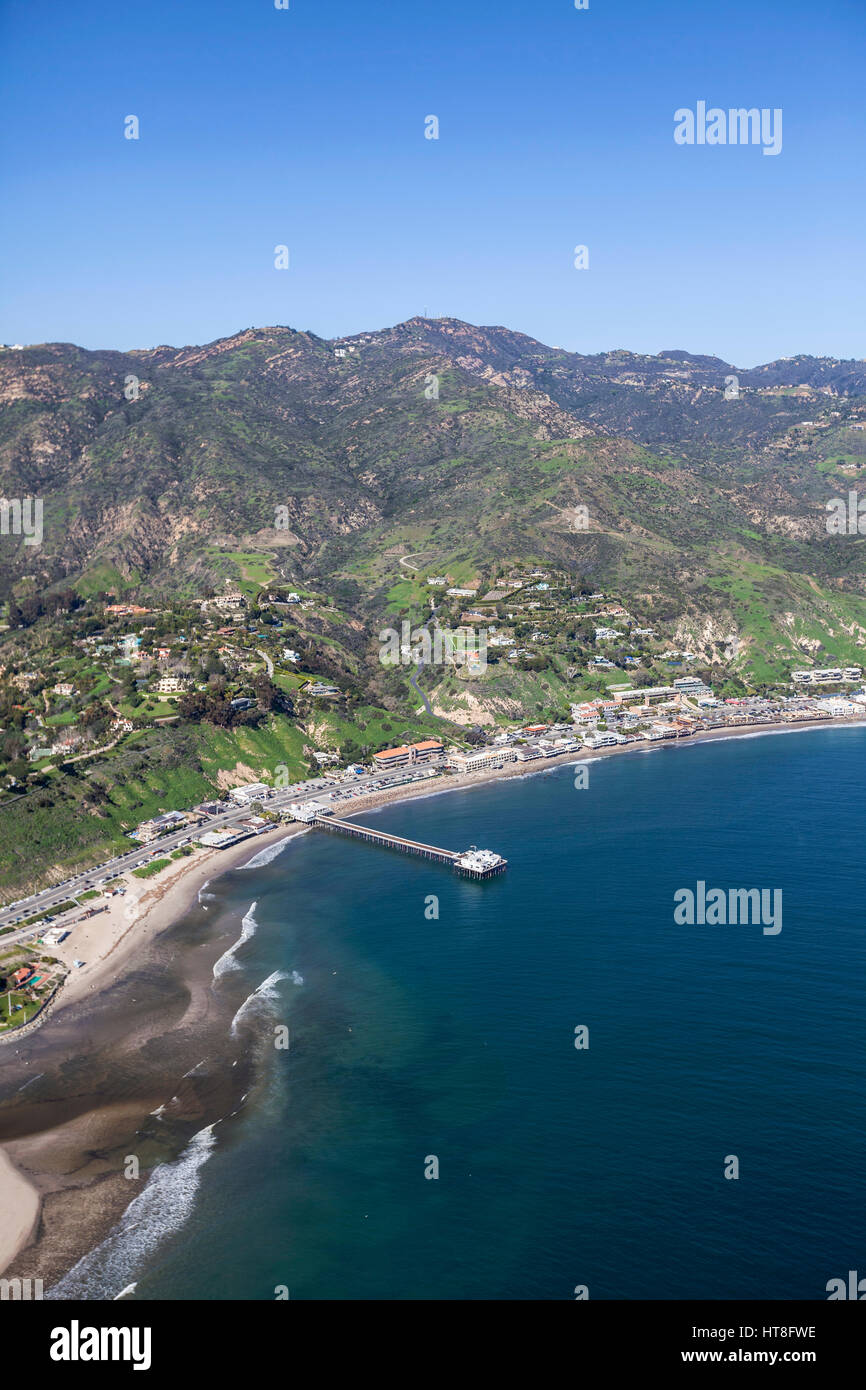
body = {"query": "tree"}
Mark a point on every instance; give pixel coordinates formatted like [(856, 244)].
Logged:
[(95, 714), (192, 705), (267, 694)]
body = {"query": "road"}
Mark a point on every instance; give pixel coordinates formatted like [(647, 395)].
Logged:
[(413, 680), (406, 560), (52, 897)]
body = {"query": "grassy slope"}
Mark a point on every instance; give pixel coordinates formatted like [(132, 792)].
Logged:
[(65, 832)]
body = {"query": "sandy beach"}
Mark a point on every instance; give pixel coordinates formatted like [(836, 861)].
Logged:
[(19, 1210), (108, 941), (112, 942)]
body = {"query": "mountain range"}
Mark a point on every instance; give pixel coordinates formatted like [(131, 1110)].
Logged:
[(703, 487)]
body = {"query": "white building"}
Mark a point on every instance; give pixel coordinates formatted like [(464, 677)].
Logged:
[(253, 791), (54, 936), (826, 675), (836, 705), (585, 714), (602, 740), (529, 753), (478, 758)]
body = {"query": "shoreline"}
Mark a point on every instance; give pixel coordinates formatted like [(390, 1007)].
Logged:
[(114, 940), (112, 937)]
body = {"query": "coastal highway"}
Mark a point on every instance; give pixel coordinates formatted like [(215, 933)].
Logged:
[(141, 854)]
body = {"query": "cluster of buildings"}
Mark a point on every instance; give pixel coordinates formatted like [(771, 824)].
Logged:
[(245, 795), (827, 675), (628, 715)]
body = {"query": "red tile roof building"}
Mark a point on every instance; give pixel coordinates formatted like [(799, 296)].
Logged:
[(412, 753)]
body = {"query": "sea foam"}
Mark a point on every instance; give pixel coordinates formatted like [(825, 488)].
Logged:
[(265, 855), (265, 994), (227, 959), (164, 1204)]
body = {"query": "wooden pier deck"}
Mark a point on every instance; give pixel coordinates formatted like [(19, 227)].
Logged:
[(381, 837), (471, 863)]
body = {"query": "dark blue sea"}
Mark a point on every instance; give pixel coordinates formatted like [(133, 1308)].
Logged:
[(414, 1036)]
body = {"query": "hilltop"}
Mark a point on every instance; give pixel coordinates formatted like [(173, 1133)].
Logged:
[(466, 447)]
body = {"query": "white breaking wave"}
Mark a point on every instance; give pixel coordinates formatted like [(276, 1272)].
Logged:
[(165, 1203), (265, 856), (788, 729), (29, 1082), (227, 959), (130, 1288), (297, 979), (266, 993)]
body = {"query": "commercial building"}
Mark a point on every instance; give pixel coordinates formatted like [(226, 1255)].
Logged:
[(407, 755), (477, 759), (151, 829), (221, 839), (648, 695), (691, 685), (253, 791)]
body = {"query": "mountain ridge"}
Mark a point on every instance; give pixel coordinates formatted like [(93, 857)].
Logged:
[(475, 445)]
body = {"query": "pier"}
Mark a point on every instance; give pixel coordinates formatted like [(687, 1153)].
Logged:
[(471, 863)]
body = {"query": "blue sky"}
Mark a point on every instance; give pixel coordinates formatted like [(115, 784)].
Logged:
[(305, 127)]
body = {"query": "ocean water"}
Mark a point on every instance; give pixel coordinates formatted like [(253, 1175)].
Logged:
[(415, 1036)]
